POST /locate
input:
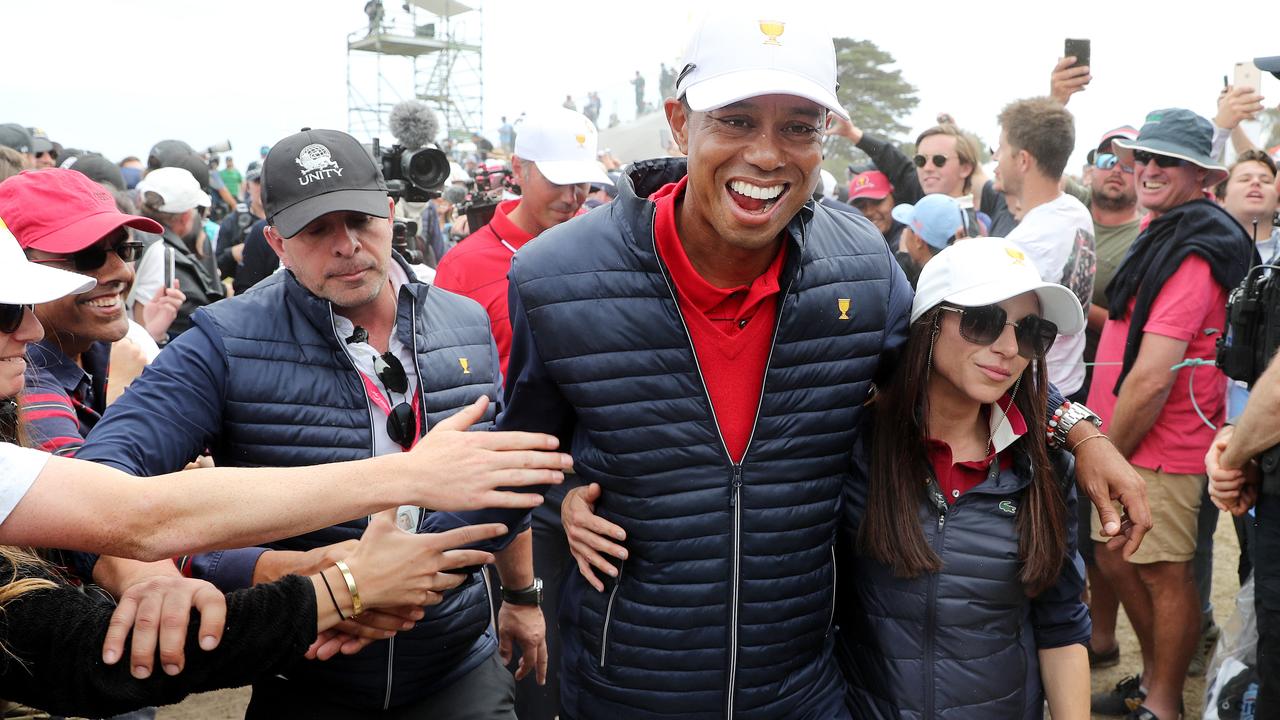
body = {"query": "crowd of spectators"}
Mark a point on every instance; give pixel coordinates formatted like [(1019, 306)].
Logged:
[(751, 365)]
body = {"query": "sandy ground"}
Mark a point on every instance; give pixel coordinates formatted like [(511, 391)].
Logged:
[(230, 704)]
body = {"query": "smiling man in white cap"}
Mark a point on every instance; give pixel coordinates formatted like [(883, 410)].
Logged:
[(707, 343), (706, 340)]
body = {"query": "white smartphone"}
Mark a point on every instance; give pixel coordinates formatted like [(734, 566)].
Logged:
[(1248, 75)]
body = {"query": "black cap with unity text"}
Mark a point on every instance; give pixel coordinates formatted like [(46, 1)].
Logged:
[(314, 172)]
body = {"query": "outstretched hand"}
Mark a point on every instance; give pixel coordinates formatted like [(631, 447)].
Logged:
[(452, 469)]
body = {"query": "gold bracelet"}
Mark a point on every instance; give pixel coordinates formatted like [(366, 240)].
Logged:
[(356, 609), (1091, 437)]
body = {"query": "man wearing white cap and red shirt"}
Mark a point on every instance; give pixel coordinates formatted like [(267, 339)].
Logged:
[(705, 347), (555, 165), (171, 196)]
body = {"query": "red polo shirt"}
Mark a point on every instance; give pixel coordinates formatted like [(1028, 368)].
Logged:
[(958, 478), (731, 328), (478, 267)]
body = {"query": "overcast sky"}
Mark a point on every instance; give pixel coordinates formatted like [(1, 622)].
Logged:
[(118, 76)]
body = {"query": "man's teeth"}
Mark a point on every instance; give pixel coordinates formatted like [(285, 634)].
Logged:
[(755, 191), (1152, 185), (104, 302)]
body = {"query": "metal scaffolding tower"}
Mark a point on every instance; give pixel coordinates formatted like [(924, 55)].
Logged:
[(427, 49)]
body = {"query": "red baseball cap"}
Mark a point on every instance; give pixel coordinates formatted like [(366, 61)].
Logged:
[(871, 184), (62, 211)]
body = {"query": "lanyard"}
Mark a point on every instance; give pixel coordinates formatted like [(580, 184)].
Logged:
[(384, 405)]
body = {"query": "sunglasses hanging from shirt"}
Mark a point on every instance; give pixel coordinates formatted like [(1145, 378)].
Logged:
[(403, 423)]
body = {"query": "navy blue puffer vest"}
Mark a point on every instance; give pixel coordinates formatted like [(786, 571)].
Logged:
[(293, 397), (724, 607)]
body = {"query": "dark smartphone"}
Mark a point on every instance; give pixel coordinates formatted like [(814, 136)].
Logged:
[(168, 267), (1077, 48)]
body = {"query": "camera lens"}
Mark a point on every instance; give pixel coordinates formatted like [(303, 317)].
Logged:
[(425, 168)]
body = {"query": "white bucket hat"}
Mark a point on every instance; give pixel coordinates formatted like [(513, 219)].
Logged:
[(986, 271)]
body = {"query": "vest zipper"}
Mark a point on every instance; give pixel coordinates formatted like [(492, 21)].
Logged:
[(735, 468), (931, 625), (608, 617), (831, 620), (391, 643)]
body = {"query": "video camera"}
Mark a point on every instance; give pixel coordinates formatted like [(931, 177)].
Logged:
[(415, 176), (492, 180), (1253, 322)]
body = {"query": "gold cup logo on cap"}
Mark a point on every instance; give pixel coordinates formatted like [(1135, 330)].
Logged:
[(772, 30)]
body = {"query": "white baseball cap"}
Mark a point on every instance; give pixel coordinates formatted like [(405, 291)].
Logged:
[(179, 188), (737, 54), (23, 282), (563, 143), (985, 271)]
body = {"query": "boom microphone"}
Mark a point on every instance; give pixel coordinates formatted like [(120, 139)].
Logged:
[(413, 124)]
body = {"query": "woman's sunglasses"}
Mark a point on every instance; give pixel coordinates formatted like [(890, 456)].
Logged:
[(1106, 161), (983, 326), (1142, 157), (95, 256), (938, 160), (11, 317)]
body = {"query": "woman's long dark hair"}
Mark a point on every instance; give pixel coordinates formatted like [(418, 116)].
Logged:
[(891, 532)]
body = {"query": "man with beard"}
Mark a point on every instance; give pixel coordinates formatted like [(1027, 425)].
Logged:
[(64, 219), (172, 197), (1113, 203)]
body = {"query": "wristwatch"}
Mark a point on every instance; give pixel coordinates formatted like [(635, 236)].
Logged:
[(1062, 424), (531, 595)]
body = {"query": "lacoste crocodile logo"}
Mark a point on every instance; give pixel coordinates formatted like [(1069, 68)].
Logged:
[(1008, 506)]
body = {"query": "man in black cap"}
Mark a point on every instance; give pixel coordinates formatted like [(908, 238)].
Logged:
[(1165, 301), (346, 355), (15, 136)]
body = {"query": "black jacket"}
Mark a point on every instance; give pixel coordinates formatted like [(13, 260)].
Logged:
[(1200, 227), (723, 607), (52, 656)]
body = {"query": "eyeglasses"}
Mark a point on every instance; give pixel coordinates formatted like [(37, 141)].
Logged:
[(401, 423), (11, 317), (1107, 161), (983, 325), (52, 155), (95, 256), (1142, 157), (938, 160)]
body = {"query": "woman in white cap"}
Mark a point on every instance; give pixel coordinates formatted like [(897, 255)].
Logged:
[(968, 584), (51, 635)]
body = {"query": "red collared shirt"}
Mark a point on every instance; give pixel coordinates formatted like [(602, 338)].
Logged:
[(731, 328), (478, 266), (957, 478)]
